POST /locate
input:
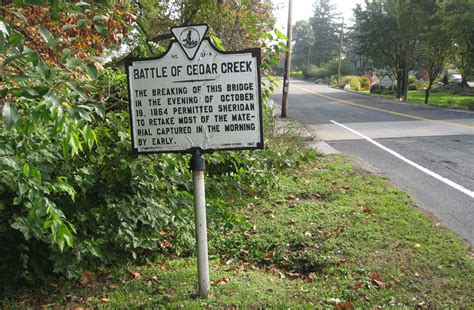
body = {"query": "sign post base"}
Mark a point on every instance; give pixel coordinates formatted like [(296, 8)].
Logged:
[(198, 167)]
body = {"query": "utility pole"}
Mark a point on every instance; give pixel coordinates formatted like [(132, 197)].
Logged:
[(340, 53), (310, 44), (286, 78)]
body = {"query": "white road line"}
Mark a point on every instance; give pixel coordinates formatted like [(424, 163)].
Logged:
[(428, 172), (459, 111)]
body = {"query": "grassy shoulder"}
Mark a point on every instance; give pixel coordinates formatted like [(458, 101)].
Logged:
[(437, 98), (327, 235)]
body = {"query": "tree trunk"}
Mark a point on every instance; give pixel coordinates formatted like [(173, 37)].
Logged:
[(464, 82), (405, 76), (427, 91), (399, 86)]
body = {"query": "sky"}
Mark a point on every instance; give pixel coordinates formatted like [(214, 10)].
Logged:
[(303, 9)]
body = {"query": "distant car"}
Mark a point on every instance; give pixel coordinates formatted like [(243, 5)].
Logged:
[(455, 77)]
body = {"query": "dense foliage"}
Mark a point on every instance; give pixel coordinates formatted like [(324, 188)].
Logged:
[(395, 36), (71, 194)]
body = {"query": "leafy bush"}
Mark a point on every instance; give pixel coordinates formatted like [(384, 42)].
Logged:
[(297, 75), (354, 82), (314, 73), (71, 194), (364, 82)]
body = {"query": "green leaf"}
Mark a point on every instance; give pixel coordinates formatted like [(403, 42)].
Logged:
[(22, 188), (280, 35), (85, 115), (10, 162), (99, 18), (89, 136), (21, 16), (32, 57), (99, 110), (14, 38), (73, 62), (3, 28), (43, 69), (68, 27), (62, 186), (67, 52), (47, 224), (19, 78), (10, 115), (91, 70), (79, 90), (217, 42), (75, 143), (65, 234), (102, 29), (48, 37), (82, 3), (82, 22)]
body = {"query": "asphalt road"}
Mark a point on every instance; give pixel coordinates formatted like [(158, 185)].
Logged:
[(426, 151)]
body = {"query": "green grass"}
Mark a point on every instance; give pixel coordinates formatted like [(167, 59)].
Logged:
[(437, 98), (329, 233), (442, 99)]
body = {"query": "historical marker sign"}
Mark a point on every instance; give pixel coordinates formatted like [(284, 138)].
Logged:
[(195, 96), (386, 82)]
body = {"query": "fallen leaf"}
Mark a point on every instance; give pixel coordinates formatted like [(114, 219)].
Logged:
[(345, 305), (86, 278), (136, 275), (222, 281), (231, 200), (343, 261), (244, 253), (375, 277), (293, 275), (105, 299), (234, 269), (78, 308), (269, 256), (417, 246)]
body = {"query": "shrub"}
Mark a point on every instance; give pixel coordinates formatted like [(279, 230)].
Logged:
[(297, 75), (365, 83), (355, 83), (314, 73)]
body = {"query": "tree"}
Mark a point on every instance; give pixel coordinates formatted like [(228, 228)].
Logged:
[(388, 31), (437, 45), (303, 38), (325, 32), (238, 24), (460, 19)]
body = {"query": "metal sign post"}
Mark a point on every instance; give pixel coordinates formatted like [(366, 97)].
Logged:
[(196, 99), (198, 167)]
